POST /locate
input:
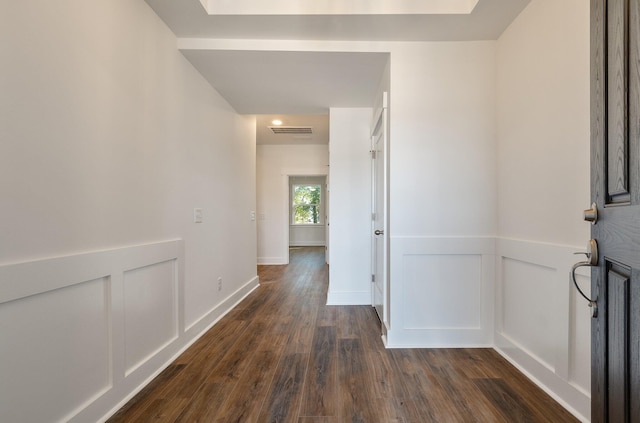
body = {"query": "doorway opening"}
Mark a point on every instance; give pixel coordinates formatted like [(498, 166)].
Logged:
[(307, 212), (296, 147)]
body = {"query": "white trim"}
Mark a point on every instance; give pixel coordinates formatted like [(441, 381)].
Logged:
[(200, 327), (551, 392), (553, 377), (349, 298), (268, 261), (220, 310), (49, 280), (401, 333), (307, 244)]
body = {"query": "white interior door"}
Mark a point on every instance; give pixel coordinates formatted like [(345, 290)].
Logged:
[(379, 211), (326, 220)]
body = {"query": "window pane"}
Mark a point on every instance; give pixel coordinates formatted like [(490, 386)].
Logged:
[(305, 204), (306, 194), (306, 215)]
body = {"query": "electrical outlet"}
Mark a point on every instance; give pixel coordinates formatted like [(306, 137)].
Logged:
[(219, 284), (252, 215)]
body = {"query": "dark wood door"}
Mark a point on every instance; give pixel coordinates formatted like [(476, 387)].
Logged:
[(615, 188)]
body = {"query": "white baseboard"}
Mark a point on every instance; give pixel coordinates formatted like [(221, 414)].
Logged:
[(349, 298), (557, 389), (269, 261), (307, 244), (423, 338), (205, 322)]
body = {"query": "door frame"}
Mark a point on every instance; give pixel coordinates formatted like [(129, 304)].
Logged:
[(381, 117), (286, 174)]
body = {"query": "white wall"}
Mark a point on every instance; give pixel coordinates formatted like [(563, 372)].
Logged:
[(543, 185), (274, 165), (109, 140), (443, 194), (443, 163), (350, 206)]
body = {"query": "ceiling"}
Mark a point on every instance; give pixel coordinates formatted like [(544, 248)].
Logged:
[(259, 82), (486, 21), (343, 7), (318, 123), (289, 83)]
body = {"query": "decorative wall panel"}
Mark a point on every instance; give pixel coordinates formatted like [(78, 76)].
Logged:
[(443, 291), (150, 310)]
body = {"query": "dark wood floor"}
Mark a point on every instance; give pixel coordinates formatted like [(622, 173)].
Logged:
[(283, 356)]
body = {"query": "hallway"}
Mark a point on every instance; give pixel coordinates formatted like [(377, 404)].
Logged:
[(283, 356)]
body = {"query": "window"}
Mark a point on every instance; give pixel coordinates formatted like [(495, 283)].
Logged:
[(305, 207)]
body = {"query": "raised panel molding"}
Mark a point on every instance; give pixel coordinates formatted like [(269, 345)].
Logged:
[(542, 327), (90, 288), (530, 308), (66, 378), (82, 334), (150, 311), (442, 292), (502, 270), (71, 326), (461, 271)]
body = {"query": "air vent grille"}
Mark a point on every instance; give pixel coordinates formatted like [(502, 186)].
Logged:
[(292, 130)]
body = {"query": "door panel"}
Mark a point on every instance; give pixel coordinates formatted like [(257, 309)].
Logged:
[(617, 150), (379, 237), (615, 188), (618, 318)]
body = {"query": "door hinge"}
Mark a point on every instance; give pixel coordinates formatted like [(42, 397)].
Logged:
[(373, 154), (373, 278)]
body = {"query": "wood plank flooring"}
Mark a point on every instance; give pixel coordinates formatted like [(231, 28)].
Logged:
[(284, 356)]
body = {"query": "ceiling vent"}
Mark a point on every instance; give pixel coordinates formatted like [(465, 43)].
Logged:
[(292, 130)]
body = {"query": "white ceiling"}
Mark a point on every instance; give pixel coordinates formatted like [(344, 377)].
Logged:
[(189, 19), (309, 83), (342, 7), (259, 82)]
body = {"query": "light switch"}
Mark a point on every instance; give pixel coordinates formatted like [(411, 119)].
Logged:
[(252, 215), (197, 215)]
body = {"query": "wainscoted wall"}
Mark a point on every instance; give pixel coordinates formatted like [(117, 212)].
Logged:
[(307, 235), (542, 323), (512, 295), (441, 292), (93, 329), (542, 135)]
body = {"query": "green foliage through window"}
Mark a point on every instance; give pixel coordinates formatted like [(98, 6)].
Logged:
[(306, 204)]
